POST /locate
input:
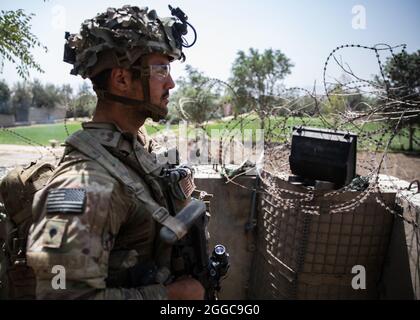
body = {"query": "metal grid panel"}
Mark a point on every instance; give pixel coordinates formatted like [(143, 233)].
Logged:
[(273, 284), (338, 242), (281, 230), (302, 256)]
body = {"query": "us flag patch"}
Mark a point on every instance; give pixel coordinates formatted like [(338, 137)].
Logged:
[(66, 200)]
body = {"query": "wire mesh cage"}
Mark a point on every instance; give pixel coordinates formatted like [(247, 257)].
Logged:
[(303, 255)]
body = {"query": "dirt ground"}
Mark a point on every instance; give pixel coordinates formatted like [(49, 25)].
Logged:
[(402, 166), (17, 155)]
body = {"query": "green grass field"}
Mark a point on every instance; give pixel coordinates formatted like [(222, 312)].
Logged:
[(42, 134), (281, 126), (37, 134)]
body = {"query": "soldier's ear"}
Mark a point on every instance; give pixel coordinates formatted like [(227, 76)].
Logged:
[(120, 80)]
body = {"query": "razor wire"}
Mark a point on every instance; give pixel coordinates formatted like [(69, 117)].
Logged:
[(376, 126)]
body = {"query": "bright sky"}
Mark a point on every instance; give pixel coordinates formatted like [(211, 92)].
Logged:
[(306, 31)]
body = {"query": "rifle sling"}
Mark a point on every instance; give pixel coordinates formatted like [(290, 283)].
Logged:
[(88, 145)]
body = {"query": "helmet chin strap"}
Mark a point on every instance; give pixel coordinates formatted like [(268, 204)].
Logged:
[(156, 113)]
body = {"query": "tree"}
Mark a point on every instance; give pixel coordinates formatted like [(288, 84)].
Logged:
[(403, 72), (21, 101), (196, 98), (83, 105), (16, 41), (47, 96), (67, 94), (257, 79), (403, 75), (5, 95), (336, 105)]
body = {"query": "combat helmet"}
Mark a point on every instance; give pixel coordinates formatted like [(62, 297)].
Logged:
[(119, 38)]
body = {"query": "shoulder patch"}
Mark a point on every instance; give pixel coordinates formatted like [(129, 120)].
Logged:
[(66, 200)]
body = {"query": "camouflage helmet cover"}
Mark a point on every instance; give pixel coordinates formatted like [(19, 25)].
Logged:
[(118, 38)]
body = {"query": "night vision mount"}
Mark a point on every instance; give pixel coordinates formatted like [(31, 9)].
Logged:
[(181, 28)]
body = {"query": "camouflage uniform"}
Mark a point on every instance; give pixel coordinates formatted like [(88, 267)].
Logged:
[(112, 233), (87, 219)]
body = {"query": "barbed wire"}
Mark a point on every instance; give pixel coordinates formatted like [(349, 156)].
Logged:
[(31, 142), (376, 123)]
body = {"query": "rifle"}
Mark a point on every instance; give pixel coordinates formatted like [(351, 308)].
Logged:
[(190, 250), (190, 253)]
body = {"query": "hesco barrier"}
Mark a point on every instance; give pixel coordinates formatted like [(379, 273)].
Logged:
[(307, 256), (230, 210), (292, 254)]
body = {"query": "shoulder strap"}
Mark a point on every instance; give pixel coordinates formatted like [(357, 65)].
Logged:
[(88, 145)]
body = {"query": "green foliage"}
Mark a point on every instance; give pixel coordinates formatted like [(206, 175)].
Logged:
[(66, 93), (347, 99), (336, 103), (361, 102), (299, 105), (21, 101), (47, 96), (16, 41), (84, 104), (5, 94), (257, 78), (403, 73), (195, 99), (25, 95)]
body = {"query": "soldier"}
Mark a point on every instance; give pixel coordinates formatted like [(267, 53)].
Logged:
[(99, 216)]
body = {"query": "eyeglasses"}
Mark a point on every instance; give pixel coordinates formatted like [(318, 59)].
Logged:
[(160, 71)]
